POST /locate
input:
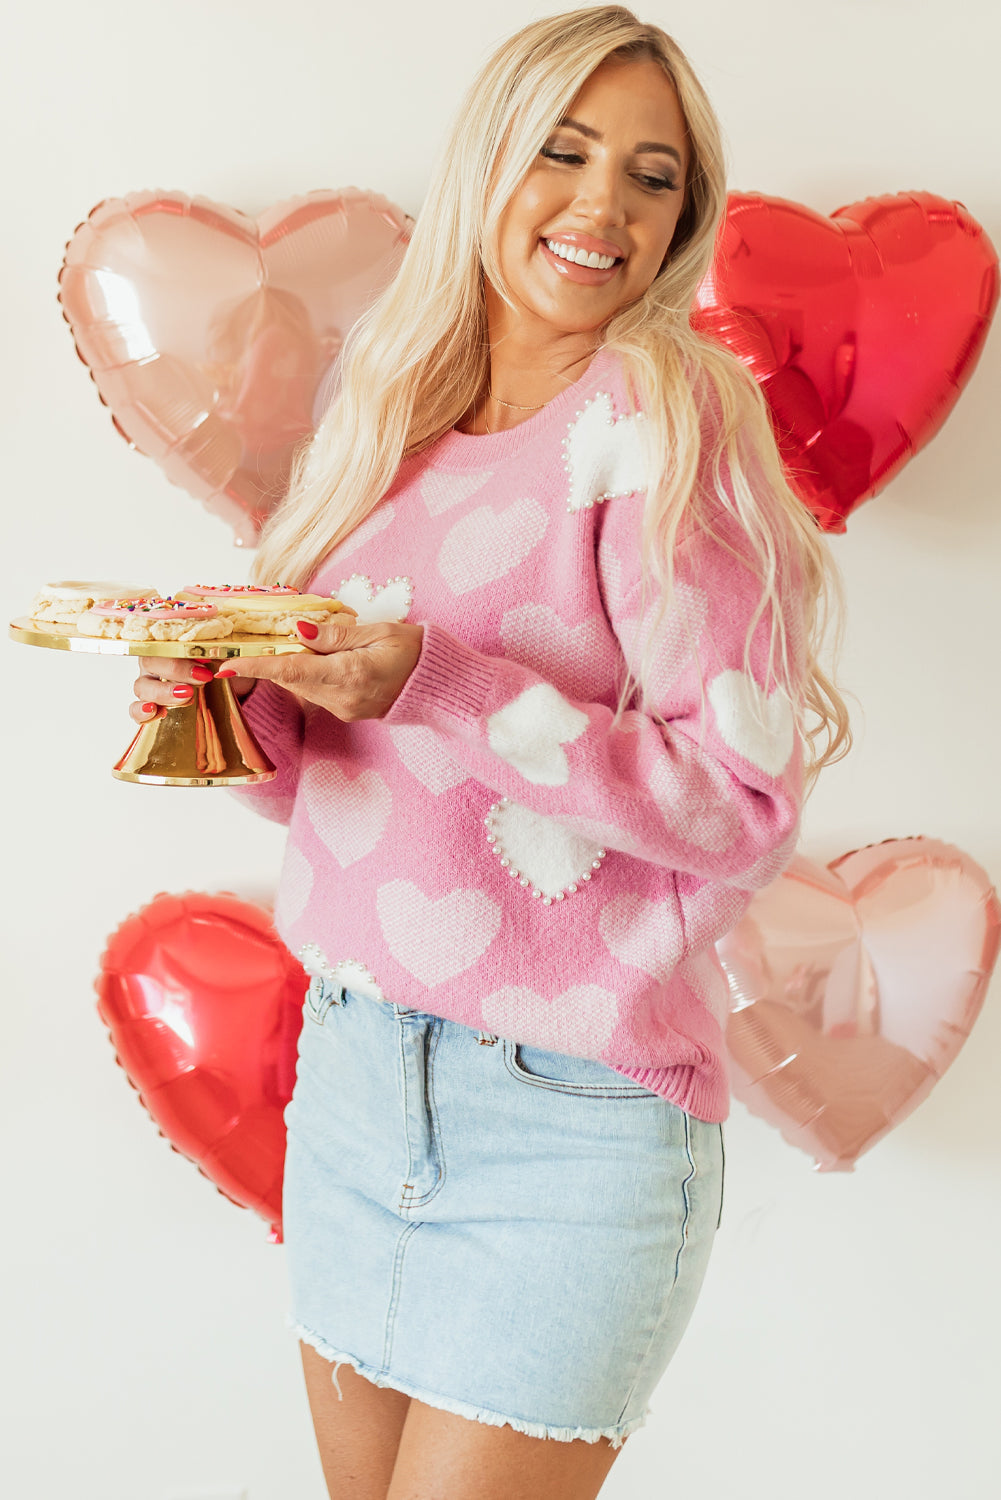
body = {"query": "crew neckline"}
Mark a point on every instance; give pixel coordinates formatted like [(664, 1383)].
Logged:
[(456, 449)]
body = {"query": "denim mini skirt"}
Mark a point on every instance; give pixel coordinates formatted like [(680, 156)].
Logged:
[(509, 1234)]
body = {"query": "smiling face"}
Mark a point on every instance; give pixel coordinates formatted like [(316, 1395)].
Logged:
[(588, 229)]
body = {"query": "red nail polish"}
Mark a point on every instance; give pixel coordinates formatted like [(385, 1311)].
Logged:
[(182, 691), (308, 629), (226, 672), (201, 673), (149, 708)]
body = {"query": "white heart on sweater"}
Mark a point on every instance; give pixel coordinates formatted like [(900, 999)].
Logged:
[(674, 644), (551, 855), (423, 753), (696, 803), (530, 731), (760, 727), (769, 867), (577, 659), (704, 976), (348, 813), (349, 973), (295, 886), (440, 492), (604, 457), (483, 546), (366, 530), (436, 939), (387, 604), (645, 934), (606, 835), (580, 1021), (356, 978)]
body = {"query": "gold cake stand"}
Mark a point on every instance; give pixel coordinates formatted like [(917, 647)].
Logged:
[(205, 742)]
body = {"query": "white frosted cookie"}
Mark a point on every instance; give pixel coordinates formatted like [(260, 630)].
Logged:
[(266, 611), (154, 620), (63, 603)]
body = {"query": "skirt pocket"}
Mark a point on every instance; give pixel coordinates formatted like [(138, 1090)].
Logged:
[(564, 1074)]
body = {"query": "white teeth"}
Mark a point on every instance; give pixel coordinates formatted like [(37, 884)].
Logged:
[(581, 257)]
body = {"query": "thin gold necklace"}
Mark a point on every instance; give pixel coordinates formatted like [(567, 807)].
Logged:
[(512, 405)]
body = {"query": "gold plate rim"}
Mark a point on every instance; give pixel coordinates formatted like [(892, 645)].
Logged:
[(29, 632)]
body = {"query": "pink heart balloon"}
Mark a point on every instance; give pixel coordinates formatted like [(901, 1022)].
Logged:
[(211, 335), (854, 987)]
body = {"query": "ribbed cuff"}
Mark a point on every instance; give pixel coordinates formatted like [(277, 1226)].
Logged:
[(269, 711), (450, 681)]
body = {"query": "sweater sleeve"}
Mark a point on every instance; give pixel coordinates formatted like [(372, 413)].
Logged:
[(275, 719), (708, 783)]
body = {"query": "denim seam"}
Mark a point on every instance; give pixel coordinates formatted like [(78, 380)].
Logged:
[(583, 1090), (665, 1309), (439, 1182), (407, 1234), (401, 1034)]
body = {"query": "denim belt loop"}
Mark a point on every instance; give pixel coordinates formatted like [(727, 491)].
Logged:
[(486, 1039)]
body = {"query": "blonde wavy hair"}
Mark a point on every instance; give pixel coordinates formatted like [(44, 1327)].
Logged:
[(417, 362)]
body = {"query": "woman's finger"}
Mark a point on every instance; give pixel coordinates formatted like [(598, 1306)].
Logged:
[(175, 669), (165, 682), (337, 633), (163, 691), (142, 713)]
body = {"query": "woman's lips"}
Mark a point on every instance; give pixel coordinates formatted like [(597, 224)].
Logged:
[(585, 275)]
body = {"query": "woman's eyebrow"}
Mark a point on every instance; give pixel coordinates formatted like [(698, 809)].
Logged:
[(640, 148)]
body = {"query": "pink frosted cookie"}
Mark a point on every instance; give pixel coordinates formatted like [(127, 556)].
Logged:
[(265, 611), (63, 603), (154, 620)]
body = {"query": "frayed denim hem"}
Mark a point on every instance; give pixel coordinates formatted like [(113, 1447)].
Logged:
[(615, 1435)]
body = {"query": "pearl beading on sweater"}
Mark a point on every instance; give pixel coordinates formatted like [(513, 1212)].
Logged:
[(493, 839)]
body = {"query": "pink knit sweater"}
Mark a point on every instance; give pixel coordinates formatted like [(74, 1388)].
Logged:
[(497, 849)]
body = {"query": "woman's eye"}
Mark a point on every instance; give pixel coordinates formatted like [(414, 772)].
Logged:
[(553, 155), (658, 184), (648, 180)]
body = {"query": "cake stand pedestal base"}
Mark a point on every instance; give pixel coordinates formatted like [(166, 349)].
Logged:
[(205, 742)]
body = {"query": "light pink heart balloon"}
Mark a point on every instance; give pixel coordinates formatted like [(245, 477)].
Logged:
[(212, 336), (854, 987)]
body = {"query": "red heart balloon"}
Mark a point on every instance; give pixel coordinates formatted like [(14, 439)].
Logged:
[(854, 987), (861, 329), (211, 335), (204, 1005)]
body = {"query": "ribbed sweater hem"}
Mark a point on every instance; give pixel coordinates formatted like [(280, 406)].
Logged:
[(706, 1098)]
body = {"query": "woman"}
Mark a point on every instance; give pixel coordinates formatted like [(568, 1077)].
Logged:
[(531, 787)]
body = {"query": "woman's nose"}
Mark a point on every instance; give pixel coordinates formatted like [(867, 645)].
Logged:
[(600, 197)]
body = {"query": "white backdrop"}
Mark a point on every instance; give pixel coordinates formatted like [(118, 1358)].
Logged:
[(846, 1338)]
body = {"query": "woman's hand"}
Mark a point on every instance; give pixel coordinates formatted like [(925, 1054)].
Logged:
[(166, 682), (353, 671)]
